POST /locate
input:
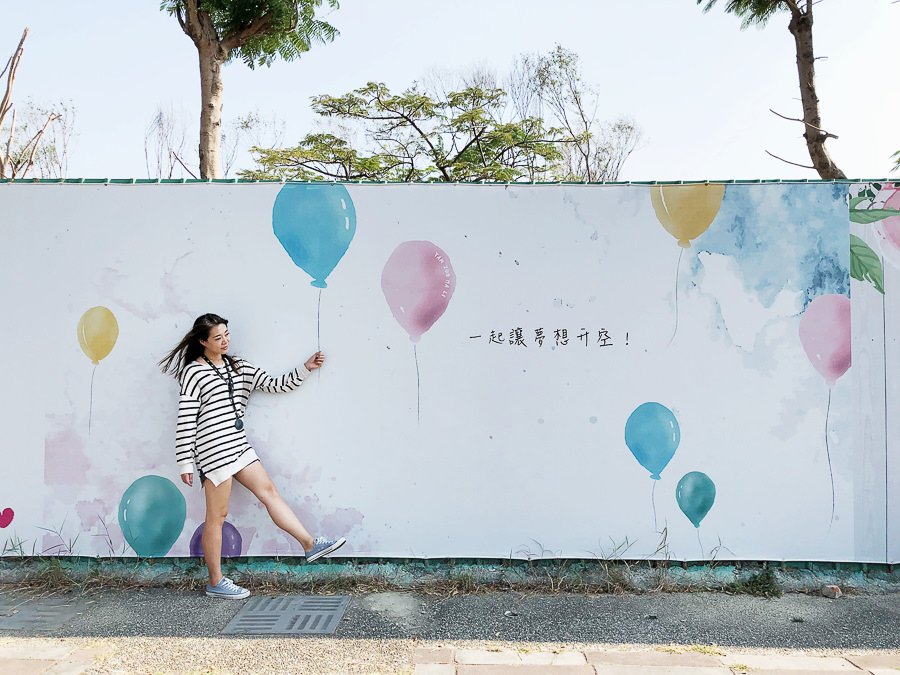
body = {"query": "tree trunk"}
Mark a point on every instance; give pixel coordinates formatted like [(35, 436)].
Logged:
[(801, 28), (212, 57)]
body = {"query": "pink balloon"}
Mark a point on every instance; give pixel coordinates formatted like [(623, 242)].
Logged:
[(888, 229), (418, 282), (825, 335)]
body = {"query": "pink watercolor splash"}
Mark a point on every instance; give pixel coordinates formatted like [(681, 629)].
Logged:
[(340, 522), (64, 460), (418, 282), (888, 229), (825, 335)]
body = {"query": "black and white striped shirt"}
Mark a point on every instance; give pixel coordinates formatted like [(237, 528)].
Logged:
[(205, 435)]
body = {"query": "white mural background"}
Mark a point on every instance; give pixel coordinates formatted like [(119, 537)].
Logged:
[(457, 446)]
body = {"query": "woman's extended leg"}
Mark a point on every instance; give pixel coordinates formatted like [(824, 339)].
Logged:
[(216, 509), (255, 479)]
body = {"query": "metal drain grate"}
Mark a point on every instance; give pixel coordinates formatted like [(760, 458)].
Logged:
[(289, 615), (43, 614)]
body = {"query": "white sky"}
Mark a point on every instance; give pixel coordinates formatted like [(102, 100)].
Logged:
[(699, 87)]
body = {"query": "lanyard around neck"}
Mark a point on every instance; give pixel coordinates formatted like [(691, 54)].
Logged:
[(238, 422)]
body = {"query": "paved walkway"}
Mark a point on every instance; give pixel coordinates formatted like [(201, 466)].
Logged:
[(449, 661), (169, 631), (36, 657), (39, 656)]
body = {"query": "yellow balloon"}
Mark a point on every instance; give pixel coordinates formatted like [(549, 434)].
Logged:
[(686, 211), (97, 333)]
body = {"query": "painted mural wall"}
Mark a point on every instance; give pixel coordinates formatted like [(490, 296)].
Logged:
[(512, 371)]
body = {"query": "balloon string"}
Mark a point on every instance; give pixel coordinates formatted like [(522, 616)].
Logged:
[(677, 269), (702, 554), (653, 503), (418, 394), (828, 455), (887, 491), (319, 333), (91, 407)]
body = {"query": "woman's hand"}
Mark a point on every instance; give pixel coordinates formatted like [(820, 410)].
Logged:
[(188, 479), (315, 361)]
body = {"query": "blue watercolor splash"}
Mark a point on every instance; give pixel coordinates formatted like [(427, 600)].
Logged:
[(791, 237)]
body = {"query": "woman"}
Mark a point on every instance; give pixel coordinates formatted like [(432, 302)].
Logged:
[(210, 436)]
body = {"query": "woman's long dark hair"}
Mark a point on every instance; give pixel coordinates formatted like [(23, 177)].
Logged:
[(190, 349)]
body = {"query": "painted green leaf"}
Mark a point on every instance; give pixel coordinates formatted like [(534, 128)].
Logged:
[(865, 265), (866, 216), (856, 201)]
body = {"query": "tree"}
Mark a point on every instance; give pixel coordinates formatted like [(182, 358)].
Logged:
[(416, 137), (247, 131), (257, 32), (758, 12), (550, 86), (38, 137), (164, 144), (461, 127)]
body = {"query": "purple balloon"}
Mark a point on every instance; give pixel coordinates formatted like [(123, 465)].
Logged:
[(418, 282), (231, 541)]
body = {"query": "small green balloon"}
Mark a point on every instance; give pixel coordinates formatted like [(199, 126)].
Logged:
[(695, 495), (151, 514)]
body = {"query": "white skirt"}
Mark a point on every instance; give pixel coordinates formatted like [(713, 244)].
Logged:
[(223, 473)]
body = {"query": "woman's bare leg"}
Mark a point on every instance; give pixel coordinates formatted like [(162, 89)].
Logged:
[(255, 479), (216, 510)]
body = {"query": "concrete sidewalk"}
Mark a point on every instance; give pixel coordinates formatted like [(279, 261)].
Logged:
[(40, 656), (673, 661), (169, 631)]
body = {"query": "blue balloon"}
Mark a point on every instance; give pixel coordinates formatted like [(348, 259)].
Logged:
[(151, 515), (695, 495), (315, 223), (652, 435)]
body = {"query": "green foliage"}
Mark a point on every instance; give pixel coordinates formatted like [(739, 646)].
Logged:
[(864, 208), (417, 136), (259, 31), (896, 158), (541, 126), (865, 265), (751, 12), (764, 584)]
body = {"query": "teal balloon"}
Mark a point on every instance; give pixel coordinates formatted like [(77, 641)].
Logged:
[(315, 223), (151, 515), (652, 434), (695, 495)]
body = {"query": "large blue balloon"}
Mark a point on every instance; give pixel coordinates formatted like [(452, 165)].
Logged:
[(151, 515), (315, 223), (652, 435), (695, 495)]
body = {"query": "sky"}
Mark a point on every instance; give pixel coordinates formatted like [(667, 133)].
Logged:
[(699, 88)]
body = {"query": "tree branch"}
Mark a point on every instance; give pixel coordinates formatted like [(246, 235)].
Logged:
[(13, 65), (794, 119), (175, 155), (35, 142), (795, 8), (239, 36), (792, 163)]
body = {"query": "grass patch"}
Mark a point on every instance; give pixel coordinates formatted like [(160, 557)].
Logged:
[(712, 650), (763, 584)]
